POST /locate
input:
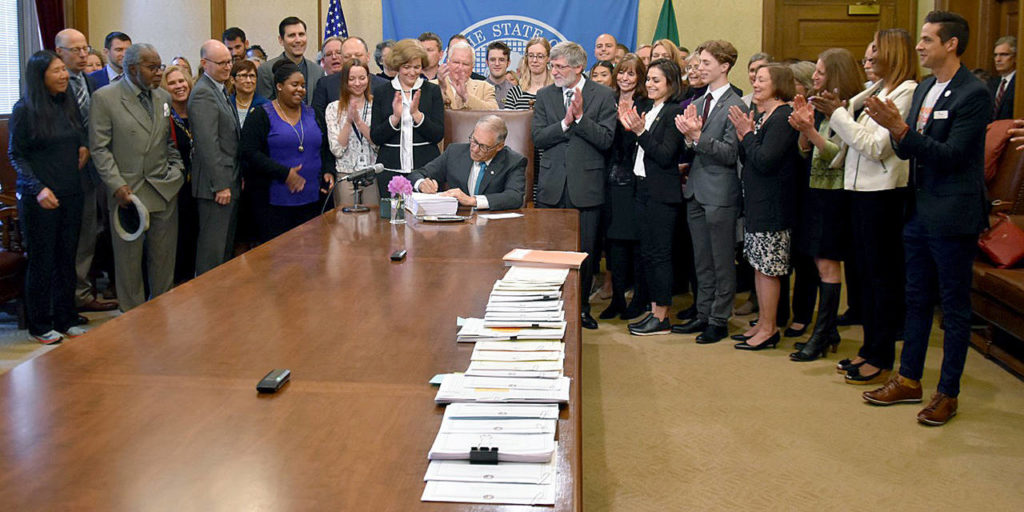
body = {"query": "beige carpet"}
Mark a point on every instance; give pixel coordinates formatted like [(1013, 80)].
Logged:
[(672, 425)]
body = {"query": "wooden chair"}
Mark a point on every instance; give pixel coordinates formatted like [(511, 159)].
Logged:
[(458, 126)]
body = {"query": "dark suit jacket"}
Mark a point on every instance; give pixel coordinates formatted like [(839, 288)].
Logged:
[(100, 78), (90, 168), (504, 182), (663, 145), (1006, 106), (215, 131), (771, 162), (427, 135), (947, 161), (576, 158)]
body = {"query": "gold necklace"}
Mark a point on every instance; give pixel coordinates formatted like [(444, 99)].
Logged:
[(301, 136)]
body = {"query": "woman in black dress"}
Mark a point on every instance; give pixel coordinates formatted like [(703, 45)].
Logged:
[(48, 149), (177, 82), (771, 162)]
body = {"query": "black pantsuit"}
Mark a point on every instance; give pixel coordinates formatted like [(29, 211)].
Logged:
[(51, 237), (878, 252)]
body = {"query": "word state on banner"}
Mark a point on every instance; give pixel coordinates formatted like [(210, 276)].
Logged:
[(513, 30)]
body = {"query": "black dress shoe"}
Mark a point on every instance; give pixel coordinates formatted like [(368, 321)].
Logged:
[(588, 321), (652, 326), (81, 320), (687, 314), (795, 333), (740, 337), (640, 321), (770, 342), (713, 334), (613, 310), (691, 327), (633, 310)]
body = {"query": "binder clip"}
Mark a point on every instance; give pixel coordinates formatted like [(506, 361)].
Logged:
[(483, 455)]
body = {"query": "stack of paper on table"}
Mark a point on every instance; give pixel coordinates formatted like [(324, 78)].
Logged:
[(516, 483), (505, 494), (473, 330), (431, 204), (542, 275), (519, 369), (462, 388), (544, 259)]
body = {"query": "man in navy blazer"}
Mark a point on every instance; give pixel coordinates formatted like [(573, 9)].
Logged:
[(574, 124), (943, 136), (482, 173), (114, 46)]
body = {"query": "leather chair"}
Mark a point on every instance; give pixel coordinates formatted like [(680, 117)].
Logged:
[(458, 126), (12, 258)]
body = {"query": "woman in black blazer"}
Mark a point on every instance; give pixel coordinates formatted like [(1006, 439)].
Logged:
[(407, 116), (658, 196), (771, 162), (619, 211)]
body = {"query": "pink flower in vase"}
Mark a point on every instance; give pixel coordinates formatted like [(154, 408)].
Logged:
[(399, 185)]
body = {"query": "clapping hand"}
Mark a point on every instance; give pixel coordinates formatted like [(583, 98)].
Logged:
[(632, 121), (743, 121), (689, 123), (414, 106), (827, 102), (294, 181), (886, 114), (396, 107), (802, 118), (577, 105)]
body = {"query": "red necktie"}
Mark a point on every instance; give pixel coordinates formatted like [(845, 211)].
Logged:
[(999, 98), (707, 108)]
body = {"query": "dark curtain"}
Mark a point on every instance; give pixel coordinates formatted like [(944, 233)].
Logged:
[(51, 20)]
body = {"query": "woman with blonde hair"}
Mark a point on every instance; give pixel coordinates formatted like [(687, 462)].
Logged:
[(533, 74), (348, 132), (178, 83), (876, 181)]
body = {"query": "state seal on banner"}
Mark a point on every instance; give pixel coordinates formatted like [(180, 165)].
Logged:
[(513, 30)]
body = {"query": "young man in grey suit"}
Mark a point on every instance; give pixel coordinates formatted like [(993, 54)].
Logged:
[(482, 173), (292, 36), (712, 192), (135, 155), (574, 124), (215, 174)]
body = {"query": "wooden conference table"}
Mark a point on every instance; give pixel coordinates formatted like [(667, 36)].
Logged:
[(157, 409)]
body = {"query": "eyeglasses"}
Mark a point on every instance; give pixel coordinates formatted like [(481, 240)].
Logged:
[(474, 142), (536, 56), (333, 54), (245, 76), (156, 67), (559, 67), (221, 63), (77, 49)]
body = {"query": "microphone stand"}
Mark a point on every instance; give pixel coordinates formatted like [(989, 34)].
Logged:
[(357, 193)]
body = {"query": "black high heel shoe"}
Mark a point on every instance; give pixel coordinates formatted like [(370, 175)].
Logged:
[(740, 337), (795, 333), (846, 365), (768, 343), (817, 347)]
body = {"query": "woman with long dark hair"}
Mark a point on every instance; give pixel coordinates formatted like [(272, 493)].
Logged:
[(348, 132), (48, 150), (658, 195)]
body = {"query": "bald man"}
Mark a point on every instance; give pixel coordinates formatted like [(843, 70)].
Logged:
[(459, 90), (604, 47), (73, 49), (216, 182)]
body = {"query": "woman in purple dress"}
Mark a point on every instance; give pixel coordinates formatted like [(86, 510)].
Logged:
[(281, 150)]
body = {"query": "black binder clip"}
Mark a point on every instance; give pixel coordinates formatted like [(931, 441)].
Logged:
[(483, 455)]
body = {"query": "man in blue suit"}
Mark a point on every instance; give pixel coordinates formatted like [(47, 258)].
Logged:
[(114, 46), (943, 136)]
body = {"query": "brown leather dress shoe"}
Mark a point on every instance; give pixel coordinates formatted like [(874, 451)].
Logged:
[(940, 410), (896, 391), (98, 304)]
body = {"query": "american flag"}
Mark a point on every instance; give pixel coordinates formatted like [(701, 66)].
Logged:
[(335, 21)]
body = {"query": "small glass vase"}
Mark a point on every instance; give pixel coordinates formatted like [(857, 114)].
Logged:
[(398, 209)]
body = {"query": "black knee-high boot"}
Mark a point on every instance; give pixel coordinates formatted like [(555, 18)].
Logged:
[(825, 332)]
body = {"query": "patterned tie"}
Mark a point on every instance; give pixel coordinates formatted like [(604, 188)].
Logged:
[(82, 98), (479, 179), (147, 102), (707, 109), (999, 98)]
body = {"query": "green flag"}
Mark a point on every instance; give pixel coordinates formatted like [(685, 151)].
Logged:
[(666, 28)]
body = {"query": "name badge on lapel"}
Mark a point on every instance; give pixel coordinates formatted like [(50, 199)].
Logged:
[(941, 114), (167, 111)]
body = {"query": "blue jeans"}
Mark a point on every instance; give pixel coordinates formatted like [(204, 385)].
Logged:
[(937, 265)]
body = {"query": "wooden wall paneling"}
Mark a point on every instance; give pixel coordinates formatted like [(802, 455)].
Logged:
[(802, 29), (218, 18), (76, 15), (1018, 98)]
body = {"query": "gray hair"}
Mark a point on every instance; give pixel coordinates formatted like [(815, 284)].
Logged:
[(759, 56), (496, 125), (378, 52), (133, 55), (1010, 40), (462, 45), (574, 54)]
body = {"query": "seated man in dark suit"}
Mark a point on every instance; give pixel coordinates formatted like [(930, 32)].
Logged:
[(481, 173)]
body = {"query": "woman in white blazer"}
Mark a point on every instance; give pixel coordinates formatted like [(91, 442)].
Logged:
[(876, 180)]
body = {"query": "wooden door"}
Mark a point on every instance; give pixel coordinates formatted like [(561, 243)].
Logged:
[(988, 20), (802, 29)]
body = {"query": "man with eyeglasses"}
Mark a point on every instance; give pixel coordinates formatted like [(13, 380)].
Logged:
[(482, 173), (73, 49), (215, 173), (292, 36), (573, 124), (135, 155)]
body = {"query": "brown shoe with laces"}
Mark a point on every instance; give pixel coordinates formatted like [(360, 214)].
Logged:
[(940, 410), (898, 389)]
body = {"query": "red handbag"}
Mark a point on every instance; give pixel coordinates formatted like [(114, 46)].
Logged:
[(1003, 242)]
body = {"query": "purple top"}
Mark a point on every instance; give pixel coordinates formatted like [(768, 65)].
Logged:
[(283, 142)]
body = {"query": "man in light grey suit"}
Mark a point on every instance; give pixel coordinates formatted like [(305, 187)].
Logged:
[(482, 173), (712, 192), (134, 152), (574, 124), (216, 182), (292, 36)]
